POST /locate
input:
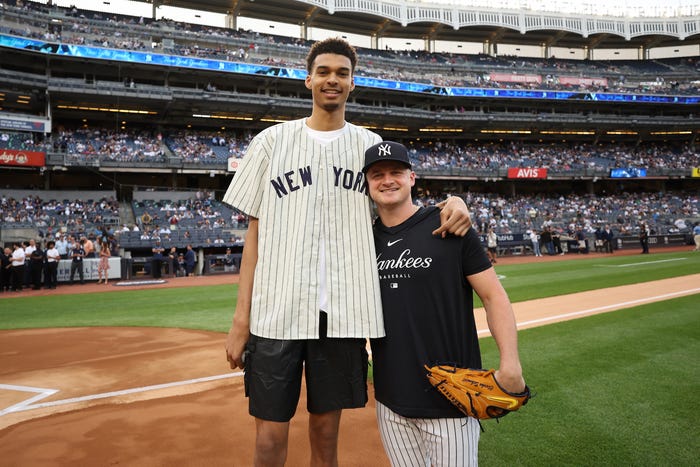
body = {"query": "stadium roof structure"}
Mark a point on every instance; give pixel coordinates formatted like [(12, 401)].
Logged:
[(381, 18)]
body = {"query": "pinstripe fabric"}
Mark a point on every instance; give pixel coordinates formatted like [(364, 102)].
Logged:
[(303, 191), (437, 442)]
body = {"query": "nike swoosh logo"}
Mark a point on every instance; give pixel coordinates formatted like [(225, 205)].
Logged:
[(394, 242)]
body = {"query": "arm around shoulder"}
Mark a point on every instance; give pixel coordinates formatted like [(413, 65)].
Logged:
[(454, 217)]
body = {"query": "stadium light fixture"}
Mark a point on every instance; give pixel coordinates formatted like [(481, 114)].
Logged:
[(568, 132), (508, 132), (622, 132), (222, 117), (273, 120), (682, 132), (106, 109), (394, 128), (441, 130)]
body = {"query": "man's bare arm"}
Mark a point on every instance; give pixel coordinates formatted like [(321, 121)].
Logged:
[(501, 322), (240, 328)]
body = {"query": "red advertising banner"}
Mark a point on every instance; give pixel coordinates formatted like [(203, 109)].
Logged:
[(527, 172), (22, 158), (583, 81), (513, 78)]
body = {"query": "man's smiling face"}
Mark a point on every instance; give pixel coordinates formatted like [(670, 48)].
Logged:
[(330, 81)]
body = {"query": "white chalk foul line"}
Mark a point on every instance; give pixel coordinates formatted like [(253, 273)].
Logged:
[(42, 393), (627, 265), (26, 405), (601, 308)]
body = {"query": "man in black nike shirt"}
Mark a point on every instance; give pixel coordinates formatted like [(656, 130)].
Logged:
[(426, 286)]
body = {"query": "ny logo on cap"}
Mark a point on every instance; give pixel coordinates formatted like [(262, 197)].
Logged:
[(384, 150)]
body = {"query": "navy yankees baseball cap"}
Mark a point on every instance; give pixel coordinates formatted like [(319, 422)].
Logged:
[(386, 151)]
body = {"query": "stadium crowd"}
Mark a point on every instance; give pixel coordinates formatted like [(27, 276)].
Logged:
[(439, 69), (671, 212), (167, 232), (87, 145)]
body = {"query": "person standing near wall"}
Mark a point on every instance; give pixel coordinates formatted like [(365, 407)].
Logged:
[(17, 260), (36, 261), (492, 245), (103, 265), (644, 237), (52, 258), (157, 259), (78, 255)]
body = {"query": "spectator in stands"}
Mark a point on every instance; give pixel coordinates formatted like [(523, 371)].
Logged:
[(51, 268), (77, 258), (62, 246), (157, 259), (18, 259), (190, 260), (146, 218), (103, 265), (5, 269), (88, 246)]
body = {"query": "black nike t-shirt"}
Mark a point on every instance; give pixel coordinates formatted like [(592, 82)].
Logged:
[(428, 312)]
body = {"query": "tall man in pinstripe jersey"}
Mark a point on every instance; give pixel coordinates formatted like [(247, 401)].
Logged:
[(308, 291), (427, 294)]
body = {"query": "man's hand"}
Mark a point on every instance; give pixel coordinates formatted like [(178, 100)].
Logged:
[(454, 217), (236, 340), (511, 381)]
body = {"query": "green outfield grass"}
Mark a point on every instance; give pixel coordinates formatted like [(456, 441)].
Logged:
[(211, 308), (612, 389)]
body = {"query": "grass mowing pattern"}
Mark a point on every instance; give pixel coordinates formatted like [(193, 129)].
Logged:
[(211, 307), (612, 389), (207, 308), (539, 280)]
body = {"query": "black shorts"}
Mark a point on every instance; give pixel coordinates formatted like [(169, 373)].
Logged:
[(335, 371)]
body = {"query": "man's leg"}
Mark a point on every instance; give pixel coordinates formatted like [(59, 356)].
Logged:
[(273, 383), (270, 442), (323, 437)]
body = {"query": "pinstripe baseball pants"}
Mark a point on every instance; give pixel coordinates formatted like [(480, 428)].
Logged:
[(425, 442)]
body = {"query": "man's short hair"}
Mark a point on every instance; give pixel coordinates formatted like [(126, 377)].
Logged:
[(332, 45)]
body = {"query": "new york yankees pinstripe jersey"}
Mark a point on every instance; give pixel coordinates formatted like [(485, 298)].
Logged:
[(304, 194)]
